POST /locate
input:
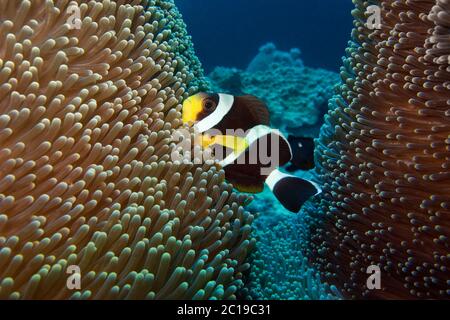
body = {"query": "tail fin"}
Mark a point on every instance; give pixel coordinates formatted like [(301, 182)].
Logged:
[(291, 191)]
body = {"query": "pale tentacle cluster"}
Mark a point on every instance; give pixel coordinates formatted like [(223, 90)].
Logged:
[(86, 177), (384, 157)]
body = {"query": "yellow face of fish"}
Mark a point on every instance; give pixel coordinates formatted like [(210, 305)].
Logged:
[(198, 107)]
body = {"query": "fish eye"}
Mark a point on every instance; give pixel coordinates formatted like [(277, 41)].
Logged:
[(209, 105)]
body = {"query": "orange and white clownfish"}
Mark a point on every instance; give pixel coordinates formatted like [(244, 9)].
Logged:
[(243, 165)]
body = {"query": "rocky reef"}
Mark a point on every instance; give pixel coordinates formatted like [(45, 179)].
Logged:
[(383, 158), (88, 189), (297, 96)]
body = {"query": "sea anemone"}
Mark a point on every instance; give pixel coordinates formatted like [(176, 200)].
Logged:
[(384, 157), (279, 270), (87, 115)]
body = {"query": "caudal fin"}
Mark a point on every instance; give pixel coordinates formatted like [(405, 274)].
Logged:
[(291, 191)]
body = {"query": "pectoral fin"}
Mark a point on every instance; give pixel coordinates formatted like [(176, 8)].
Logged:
[(237, 144), (206, 141)]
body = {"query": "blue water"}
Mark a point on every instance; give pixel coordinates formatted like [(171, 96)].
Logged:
[(229, 32)]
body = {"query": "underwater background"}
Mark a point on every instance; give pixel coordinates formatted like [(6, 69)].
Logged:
[(278, 54), (229, 32)]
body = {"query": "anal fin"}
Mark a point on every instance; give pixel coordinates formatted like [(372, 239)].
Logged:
[(243, 181)]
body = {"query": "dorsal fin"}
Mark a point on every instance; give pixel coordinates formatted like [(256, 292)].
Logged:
[(257, 109)]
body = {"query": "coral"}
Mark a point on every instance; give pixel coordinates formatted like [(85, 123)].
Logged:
[(270, 58), (87, 118), (228, 80), (297, 96), (383, 158)]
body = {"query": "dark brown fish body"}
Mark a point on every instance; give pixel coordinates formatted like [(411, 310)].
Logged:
[(251, 176), (247, 112)]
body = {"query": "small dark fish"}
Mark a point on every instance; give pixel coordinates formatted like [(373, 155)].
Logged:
[(303, 153)]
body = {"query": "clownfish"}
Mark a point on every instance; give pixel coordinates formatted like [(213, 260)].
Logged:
[(303, 158), (215, 114)]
